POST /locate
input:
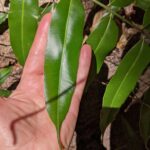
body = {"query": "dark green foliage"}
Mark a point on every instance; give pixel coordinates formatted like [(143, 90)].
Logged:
[(145, 119)]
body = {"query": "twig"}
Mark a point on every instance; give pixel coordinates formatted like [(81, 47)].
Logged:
[(116, 14), (45, 8), (132, 24)]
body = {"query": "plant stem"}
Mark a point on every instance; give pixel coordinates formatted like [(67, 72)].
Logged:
[(116, 14), (45, 7), (122, 18)]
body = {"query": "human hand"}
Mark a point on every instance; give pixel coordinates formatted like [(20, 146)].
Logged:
[(24, 121)]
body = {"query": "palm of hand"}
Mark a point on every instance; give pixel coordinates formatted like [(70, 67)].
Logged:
[(26, 125)]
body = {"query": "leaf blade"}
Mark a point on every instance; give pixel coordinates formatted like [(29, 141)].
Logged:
[(144, 4), (146, 21), (120, 3), (23, 29), (112, 101), (61, 63), (127, 75), (100, 36)]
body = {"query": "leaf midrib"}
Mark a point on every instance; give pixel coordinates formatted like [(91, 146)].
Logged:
[(61, 61), (133, 64), (22, 32)]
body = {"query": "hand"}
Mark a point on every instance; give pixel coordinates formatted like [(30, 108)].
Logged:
[(24, 121)]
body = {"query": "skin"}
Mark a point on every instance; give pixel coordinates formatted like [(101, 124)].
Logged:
[(24, 121)]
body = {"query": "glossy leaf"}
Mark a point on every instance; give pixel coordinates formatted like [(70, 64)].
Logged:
[(62, 55), (4, 73), (144, 4), (3, 17), (103, 40), (120, 3), (23, 21), (146, 20), (145, 118), (124, 81), (4, 93)]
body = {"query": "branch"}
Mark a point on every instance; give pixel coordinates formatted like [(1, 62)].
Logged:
[(132, 24)]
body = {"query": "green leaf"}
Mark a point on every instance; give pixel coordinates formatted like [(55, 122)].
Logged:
[(4, 93), (144, 4), (128, 73), (123, 82), (103, 40), (145, 118), (146, 20), (62, 55), (120, 3), (4, 73), (3, 17), (23, 21)]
